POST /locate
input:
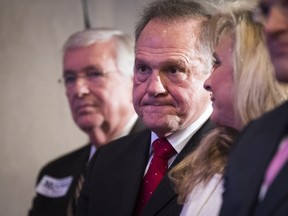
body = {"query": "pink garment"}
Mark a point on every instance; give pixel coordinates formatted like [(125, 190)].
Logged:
[(277, 163)]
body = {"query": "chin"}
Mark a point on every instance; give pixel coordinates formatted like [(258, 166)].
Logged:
[(86, 124), (162, 126)]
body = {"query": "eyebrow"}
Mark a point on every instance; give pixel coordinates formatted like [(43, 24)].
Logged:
[(92, 67), (85, 69), (137, 60), (178, 62), (169, 62), (68, 72)]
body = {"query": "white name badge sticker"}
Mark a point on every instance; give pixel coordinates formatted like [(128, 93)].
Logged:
[(53, 187)]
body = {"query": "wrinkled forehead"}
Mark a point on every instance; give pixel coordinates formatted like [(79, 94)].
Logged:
[(174, 34)]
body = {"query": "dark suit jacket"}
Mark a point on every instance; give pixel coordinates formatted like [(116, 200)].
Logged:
[(248, 162), (115, 176), (73, 165)]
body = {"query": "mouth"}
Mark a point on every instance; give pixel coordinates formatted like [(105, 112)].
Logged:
[(155, 105), (212, 98), (84, 109), (157, 102)]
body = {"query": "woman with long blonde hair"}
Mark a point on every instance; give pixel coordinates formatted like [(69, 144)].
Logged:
[(242, 87)]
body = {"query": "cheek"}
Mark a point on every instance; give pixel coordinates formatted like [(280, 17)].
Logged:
[(104, 101), (222, 83), (228, 105), (70, 101), (136, 101), (225, 96), (223, 109), (138, 92), (194, 99)]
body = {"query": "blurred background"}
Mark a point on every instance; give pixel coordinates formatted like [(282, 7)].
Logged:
[(35, 121)]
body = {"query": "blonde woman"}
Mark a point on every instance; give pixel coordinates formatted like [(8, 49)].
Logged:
[(242, 88)]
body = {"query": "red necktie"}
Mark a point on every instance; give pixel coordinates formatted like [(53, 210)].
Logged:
[(163, 151)]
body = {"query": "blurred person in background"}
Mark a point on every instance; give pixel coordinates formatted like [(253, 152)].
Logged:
[(257, 173), (243, 88), (97, 74)]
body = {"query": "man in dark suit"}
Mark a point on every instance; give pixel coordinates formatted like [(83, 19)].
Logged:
[(171, 65), (97, 74), (253, 184)]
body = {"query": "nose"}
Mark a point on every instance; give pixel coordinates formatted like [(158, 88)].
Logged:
[(276, 21), (81, 87), (156, 86), (207, 84)]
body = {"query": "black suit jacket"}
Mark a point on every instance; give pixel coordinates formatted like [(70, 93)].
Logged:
[(247, 165), (73, 165), (115, 176)]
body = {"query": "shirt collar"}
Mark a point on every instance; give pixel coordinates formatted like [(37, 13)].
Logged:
[(180, 138), (92, 151)]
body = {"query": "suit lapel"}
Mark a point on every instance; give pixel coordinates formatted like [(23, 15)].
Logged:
[(277, 192), (134, 164), (164, 194), (258, 152), (138, 127), (278, 189)]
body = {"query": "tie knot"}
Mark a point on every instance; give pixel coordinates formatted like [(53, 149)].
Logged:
[(163, 149)]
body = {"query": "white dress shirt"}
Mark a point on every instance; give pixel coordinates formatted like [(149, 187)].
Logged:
[(205, 200), (181, 137)]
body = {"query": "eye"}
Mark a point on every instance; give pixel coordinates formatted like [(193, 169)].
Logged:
[(173, 70), (175, 73), (142, 72), (215, 61), (94, 74), (142, 69), (69, 78)]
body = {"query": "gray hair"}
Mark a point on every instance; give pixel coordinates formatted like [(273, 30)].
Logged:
[(173, 11), (124, 50)]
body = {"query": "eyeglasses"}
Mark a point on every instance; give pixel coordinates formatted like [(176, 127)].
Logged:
[(262, 12), (91, 77)]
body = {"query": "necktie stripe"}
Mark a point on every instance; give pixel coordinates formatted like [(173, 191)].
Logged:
[(71, 210)]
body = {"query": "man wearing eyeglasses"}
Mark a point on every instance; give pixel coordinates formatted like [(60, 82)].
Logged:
[(97, 74), (256, 180)]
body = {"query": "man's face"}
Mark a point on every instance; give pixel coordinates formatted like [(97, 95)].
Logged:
[(276, 30), (97, 93), (168, 92)]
